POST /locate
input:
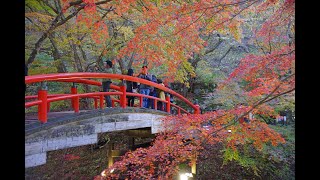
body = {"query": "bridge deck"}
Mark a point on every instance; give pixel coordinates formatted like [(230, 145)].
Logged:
[(33, 117), (56, 118)]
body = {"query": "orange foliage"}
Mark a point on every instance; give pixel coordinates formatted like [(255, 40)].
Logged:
[(169, 32), (183, 137), (166, 32)]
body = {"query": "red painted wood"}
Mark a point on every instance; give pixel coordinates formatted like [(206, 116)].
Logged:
[(44, 98)]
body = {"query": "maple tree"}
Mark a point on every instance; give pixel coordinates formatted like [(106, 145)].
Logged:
[(163, 33), (169, 34), (262, 78)]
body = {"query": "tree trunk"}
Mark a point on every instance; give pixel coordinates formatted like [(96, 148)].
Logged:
[(87, 88), (76, 57), (56, 56), (130, 61), (122, 66)]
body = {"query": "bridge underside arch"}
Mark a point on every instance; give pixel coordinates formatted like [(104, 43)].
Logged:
[(82, 128)]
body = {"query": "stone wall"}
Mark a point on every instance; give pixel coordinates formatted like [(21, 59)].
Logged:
[(83, 128)]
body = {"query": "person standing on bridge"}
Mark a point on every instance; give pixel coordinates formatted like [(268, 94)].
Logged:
[(161, 95), (131, 86), (144, 89), (153, 92), (106, 82)]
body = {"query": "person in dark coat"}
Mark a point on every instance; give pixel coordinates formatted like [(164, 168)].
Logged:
[(153, 92), (130, 88)]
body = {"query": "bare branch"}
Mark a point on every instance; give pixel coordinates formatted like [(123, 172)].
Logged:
[(56, 24), (258, 103), (190, 23), (49, 5), (225, 54)]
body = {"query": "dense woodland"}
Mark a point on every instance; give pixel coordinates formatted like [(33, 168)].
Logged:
[(235, 57)]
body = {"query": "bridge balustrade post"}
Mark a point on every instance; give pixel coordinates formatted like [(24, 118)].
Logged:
[(168, 104), (155, 104), (197, 109), (75, 100), (95, 103), (101, 101), (123, 97), (42, 107), (112, 103), (179, 111), (141, 100)]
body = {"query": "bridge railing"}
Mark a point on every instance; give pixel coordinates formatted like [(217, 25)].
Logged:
[(43, 99)]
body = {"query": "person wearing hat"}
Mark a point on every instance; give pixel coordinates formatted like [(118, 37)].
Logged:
[(106, 82)]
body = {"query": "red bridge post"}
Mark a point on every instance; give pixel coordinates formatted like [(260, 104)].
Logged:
[(75, 100), (95, 103), (140, 101), (155, 104), (197, 110), (42, 108), (123, 97), (112, 103), (101, 101), (168, 104)]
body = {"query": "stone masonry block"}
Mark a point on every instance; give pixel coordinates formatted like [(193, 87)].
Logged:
[(55, 144), (140, 116), (84, 131), (35, 160), (138, 124), (156, 126), (97, 128), (108, 127), (89, 139), (121, 125), (35, 147)]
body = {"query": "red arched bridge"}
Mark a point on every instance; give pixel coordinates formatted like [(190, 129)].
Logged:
[(43, 98), (81, 128)]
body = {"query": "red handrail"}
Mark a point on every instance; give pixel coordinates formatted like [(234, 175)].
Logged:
[(89, 82), (59, 98), (44, 99), (33, 103), (50, 95), (179, 109), (75, 76)]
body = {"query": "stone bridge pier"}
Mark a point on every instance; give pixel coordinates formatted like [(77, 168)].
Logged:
[(82, 129)]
